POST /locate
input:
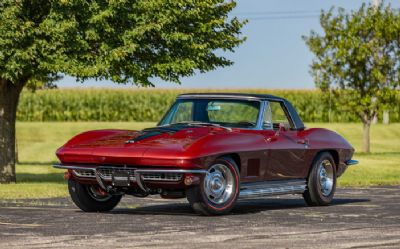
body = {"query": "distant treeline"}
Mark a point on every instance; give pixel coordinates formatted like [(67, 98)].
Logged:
[(151, 104)]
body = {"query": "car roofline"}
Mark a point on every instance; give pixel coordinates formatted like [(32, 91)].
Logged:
[(293, 115), (244, 96)]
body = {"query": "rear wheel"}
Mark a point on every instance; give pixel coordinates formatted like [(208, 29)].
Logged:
[(218, 190), (321, 183), (91, 198)]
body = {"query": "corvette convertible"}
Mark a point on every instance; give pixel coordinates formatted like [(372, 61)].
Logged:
[(213, 149)]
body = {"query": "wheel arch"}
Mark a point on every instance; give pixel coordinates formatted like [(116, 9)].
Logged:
[(236, 158), (334, 154)]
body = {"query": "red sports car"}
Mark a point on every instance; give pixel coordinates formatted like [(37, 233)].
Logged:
[(211, 148)]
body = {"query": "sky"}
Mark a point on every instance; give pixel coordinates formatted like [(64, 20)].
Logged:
[(274, 54)]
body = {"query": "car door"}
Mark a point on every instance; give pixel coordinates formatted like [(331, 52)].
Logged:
[(285, 147)]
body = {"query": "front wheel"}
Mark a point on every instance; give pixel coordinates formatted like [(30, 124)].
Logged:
[(218, 190), (321, 184), (91, 198)]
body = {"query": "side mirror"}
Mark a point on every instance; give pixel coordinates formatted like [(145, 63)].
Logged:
[(282, 128)]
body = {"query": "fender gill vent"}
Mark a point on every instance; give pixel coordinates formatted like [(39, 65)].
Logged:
[(253, 167)]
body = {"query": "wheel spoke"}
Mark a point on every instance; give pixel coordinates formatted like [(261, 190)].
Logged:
[(218, 184), (325, 177)]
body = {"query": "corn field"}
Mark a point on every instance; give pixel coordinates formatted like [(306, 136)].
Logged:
[(151, 104)]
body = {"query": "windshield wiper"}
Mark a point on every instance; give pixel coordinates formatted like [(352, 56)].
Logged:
[(160, 129), (204, 124)]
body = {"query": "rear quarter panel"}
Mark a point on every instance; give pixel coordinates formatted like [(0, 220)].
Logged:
[(321, 139)]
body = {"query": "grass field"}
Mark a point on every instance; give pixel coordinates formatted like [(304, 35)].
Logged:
[(37, 143)]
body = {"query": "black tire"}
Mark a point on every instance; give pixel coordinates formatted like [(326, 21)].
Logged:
[(197, 196), (316, 194), (83, 197)]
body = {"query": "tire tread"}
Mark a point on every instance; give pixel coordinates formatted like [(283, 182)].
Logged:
[(86, 203), (312, 196)]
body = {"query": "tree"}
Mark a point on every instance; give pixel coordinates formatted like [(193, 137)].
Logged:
[(357, 58), (126, 41)]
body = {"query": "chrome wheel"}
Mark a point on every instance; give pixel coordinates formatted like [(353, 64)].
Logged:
[(219, 184), (325, 177), (97, 194)]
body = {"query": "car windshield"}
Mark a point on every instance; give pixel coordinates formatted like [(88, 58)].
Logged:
[(222, 112)]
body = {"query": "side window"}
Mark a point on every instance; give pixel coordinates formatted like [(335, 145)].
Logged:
[(233, 112), (183, 112), (274, 115)]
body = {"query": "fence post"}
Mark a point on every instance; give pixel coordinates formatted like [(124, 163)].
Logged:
[(385, 117)]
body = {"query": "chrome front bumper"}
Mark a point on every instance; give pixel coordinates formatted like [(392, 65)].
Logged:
[(137, 174)]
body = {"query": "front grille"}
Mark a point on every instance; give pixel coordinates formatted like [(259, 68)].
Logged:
[(162, 177), (106, 173), (84, 173)]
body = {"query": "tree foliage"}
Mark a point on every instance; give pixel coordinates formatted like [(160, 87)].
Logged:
[(358, 58), (121, 40), (126, 41)]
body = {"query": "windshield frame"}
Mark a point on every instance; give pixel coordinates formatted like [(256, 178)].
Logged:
[(258, 126)]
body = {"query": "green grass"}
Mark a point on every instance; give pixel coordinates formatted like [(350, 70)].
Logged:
[(37, 143), (382, 166)]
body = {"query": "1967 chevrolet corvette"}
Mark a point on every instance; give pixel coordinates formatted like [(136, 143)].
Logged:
[(211, 148)]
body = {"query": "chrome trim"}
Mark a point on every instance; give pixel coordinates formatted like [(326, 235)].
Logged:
[(272, 191), (62, 166), (165, 177), (100, 180), (285, 109), (102, 171), (260, 121), (205, 124), (325, 177), (219, 184), (137, 172), (273, 188), (287, 112), (140, 181), (188, 171), (79, 174), (351, 162)]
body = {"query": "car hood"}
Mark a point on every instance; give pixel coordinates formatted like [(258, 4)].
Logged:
[(132, 147)]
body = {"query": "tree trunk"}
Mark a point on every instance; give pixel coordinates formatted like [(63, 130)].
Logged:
[(366, 140), (9, 95)]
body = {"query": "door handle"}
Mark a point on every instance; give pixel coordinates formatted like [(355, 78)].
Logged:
[(271, 139), (302, 141)]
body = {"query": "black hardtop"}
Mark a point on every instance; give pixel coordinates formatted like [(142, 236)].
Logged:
[(298, 123), (231, 95)]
